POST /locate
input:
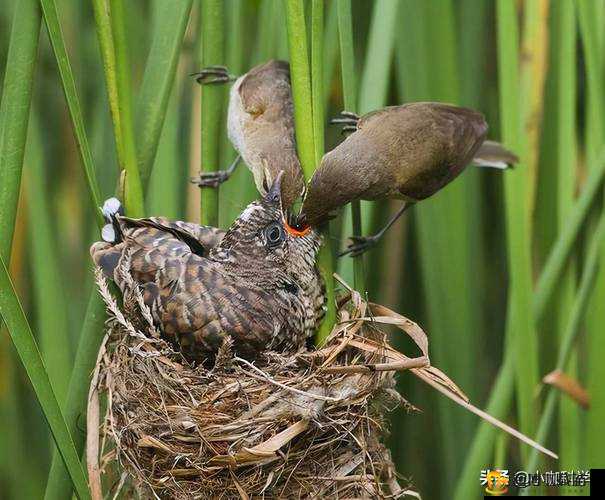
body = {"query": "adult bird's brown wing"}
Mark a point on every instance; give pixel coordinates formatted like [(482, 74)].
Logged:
[(409, 152)]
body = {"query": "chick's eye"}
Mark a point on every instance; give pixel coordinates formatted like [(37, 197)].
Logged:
[(274, 234)]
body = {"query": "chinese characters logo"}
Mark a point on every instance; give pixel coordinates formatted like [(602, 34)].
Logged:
[(498, 481)]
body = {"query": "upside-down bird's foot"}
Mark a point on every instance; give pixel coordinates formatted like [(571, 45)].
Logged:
[(348, 120), (213, 75), (211, 179), (359, 245), (215, 179)]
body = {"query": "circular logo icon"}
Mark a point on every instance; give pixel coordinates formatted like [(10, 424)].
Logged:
[(497, 483)]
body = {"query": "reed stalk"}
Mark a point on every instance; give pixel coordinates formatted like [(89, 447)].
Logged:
[(519, 323), (133, 191), (568, 338), (589, 16), (15, 101), (565, 35), (51, 19), (157, 85), (112, 38), (304, 127), (325, 259), (500, 399), (14, 113), (444, 235), (212, 52), (51, 318), (25, 344), (349, 95)]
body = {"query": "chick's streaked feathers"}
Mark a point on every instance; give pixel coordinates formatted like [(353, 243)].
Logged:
[(203, 284)]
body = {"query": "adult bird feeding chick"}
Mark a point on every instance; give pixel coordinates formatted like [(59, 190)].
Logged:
[(256, 283), (260, 125), (408, 152)]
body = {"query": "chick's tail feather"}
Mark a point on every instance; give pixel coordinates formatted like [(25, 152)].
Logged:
[(106, 254)]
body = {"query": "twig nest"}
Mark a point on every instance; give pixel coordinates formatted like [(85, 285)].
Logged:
[(305, 425)]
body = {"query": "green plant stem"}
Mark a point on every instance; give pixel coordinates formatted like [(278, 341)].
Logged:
[(133, 191), (590, 32), (325, 259), (444, 223), (551, 272), (331, 50), (51, 306), (23, 339), (317, 91), (500, 398), (349, 92), (565, 36), (373, 91), (59, 485), (301, 85), (517, 190), (163, 194), (51, 19), (241, 186), (266, 42), (213, 24), (86, 341), (14, 114), (569, 336), (590, 17), (300, 75), (108, 54), (158, 80)]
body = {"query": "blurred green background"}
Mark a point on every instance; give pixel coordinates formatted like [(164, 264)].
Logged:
[(501, 269)]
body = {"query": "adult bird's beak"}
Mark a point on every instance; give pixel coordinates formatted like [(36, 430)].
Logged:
[(273, 196)]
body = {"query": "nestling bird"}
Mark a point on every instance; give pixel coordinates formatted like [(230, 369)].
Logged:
[(256, 283), (408, 152), (261, 127)]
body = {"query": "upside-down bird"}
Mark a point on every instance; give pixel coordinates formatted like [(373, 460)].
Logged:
[(260, 124), (408, 152), (256, 283)]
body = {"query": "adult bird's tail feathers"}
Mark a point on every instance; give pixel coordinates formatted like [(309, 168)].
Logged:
[(495, 155)]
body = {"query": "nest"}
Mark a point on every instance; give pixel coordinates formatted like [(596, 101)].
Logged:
[(309, 425)]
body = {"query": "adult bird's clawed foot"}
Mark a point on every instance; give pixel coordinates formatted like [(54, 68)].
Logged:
[(213, 75), (215, 179), (359, 245), (348, 120), (211, 179)]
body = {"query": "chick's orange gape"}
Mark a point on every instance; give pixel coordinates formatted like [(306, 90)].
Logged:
[(297, 229)]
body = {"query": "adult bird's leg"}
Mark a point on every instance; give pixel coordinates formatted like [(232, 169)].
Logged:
[(360, 244), (213, 75), (215, 179), (348, 120)]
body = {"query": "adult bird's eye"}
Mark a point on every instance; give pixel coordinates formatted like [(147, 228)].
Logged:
[(274, 234)]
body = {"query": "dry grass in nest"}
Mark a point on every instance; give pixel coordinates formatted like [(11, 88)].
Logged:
[(309, 425)]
